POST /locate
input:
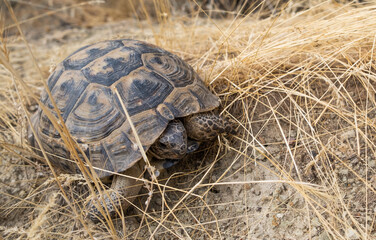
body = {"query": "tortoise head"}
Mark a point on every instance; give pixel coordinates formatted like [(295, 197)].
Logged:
[(172, 144)]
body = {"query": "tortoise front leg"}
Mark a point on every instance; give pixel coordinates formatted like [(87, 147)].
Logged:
[(207, 125), (123, 191)]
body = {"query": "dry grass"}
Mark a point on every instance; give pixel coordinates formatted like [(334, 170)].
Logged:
[(300, 84)]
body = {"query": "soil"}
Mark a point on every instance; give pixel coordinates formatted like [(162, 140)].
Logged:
[(243, 188)]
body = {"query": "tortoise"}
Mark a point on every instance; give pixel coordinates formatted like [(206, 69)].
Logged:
[(167, 102)]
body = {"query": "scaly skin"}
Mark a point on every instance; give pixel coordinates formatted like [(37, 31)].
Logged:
[(121, 188), (207, 125), (181, 138), (172, 144)]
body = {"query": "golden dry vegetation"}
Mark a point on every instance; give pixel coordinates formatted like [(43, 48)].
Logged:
[(298, 77)]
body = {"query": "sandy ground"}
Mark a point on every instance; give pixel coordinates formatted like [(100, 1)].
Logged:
[(240, 195)]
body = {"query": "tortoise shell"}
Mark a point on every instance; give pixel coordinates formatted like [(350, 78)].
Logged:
[(154, 85)]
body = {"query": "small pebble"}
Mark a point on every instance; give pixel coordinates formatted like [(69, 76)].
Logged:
[(351, 234), (372, 163)]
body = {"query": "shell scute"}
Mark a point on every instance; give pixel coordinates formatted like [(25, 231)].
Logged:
[(52, 79), (205, 98), (95, 115), (85, 55), (66, 91), (99, 158), (149, 127), (183, 103), (142, 47), (116, 148), (142, 90), (109, 68), (57, 154), (46, 126), (170, 66)]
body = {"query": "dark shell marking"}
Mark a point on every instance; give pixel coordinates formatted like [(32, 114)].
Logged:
[(154, 85)]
